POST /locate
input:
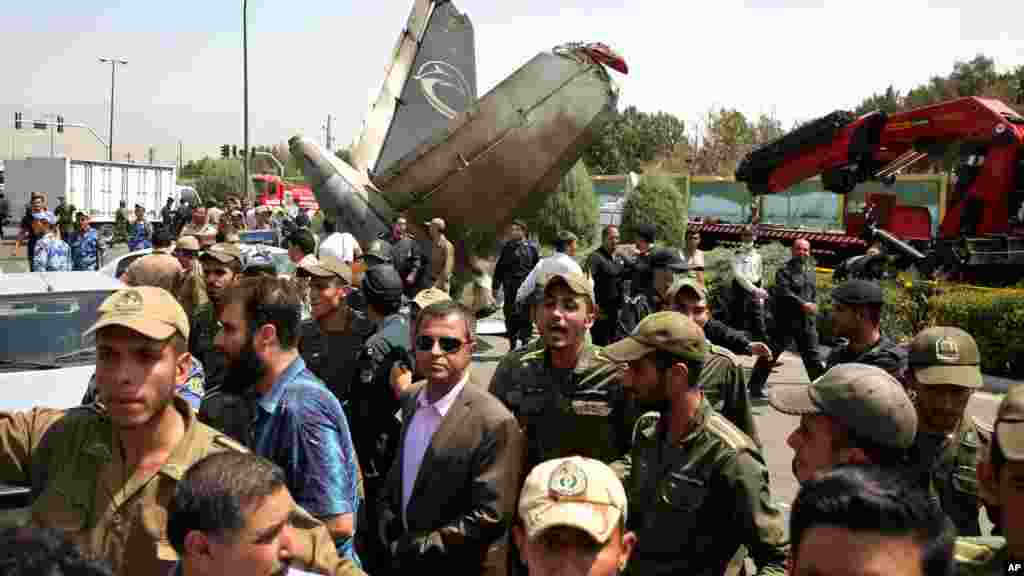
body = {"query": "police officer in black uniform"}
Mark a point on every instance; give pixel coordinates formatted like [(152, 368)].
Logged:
[(518, 257), (795, 300), (857, 316)]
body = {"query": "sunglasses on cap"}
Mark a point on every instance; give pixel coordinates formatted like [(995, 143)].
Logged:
[(448, 344)]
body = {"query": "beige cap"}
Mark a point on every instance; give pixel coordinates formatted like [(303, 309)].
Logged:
[(1009, 429), (148, 310), (188, 242), (430, 296), (670, 332), (576, 492), (577, 283), (224, 252), (945, 355), (438, 222), (865, 398), (326, 267)]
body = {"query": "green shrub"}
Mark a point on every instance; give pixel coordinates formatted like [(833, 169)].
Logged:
[(573, 207), (657, 200), (994, 318)]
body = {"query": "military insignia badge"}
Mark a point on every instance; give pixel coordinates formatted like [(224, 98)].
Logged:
[(567, 480), (947, 350), (128, 301)]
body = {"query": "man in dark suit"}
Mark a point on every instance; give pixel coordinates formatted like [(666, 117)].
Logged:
[(451, 492)]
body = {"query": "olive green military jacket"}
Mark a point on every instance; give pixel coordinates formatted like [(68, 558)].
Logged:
[(952, 476), (80, 485), (725, 388), (693, 504), (580, 411), (982, 556)]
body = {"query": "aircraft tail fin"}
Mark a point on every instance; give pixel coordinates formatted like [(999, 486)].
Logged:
[(431, 79)]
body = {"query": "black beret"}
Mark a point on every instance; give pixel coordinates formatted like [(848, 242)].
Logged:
[(381, 283), (858, 292), (646, 232), (667, 258)]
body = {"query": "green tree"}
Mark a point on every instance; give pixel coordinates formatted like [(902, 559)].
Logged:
[(657, 200), (728, 136), (215, 179), (631, 139), (573, 206)]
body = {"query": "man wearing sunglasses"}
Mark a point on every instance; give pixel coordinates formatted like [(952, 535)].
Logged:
[(450, 496)]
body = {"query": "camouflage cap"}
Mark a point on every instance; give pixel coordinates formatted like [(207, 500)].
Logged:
[(670, 332), (224, 253), (575, 492), (945, 355), (577, 283), (865, 398), (148, 310), (1009, 429), (430, 296), (327, 267), (687, 283)]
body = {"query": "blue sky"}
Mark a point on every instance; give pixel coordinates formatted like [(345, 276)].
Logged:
[(311, 58)]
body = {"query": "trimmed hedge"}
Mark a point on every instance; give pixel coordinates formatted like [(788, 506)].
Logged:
[(994, 317)]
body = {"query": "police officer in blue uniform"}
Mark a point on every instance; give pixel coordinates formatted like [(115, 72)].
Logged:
[(85, 245)]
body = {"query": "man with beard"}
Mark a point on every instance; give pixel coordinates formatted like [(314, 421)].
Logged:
[(944, 372), (232, 514), (857, 317), (852, 414), (295, 421), (567, 396), (332, 340), (697, 484), (518, 256), (222, 264), (796, 305), (607, 271), (722, 377), (103, 473)]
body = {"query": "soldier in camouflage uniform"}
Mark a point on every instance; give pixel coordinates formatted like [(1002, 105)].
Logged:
[(722, 378), (691, 469), (84, 244), (104, 474), (944, 371), (1002, 473), (567, 396), (51, 253)]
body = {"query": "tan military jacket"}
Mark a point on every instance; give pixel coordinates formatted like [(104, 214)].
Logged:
[(73, 461)]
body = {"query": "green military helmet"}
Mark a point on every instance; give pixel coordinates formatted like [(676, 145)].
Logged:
[(378, 252)]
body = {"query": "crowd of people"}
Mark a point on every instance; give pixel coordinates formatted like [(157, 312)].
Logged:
[(226, 433)]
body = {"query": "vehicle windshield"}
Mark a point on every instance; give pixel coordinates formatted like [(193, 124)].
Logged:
[(46, 327)]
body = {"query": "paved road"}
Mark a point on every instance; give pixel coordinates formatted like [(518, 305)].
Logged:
[(772, 425)]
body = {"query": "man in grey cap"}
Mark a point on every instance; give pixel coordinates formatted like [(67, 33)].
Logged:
[(857, 316), (852, 414), (944, 372)]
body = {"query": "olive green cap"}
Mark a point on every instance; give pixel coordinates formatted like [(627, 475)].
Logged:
[(1009, 429), (864, 398), (577, 283), (687, 283), (670, 332), (148, 310), (378, 252), (945, 355)]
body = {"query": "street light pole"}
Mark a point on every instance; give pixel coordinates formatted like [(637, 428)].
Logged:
[(110, 137), (245, 102)]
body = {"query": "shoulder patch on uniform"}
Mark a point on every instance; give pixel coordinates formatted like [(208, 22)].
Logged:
[(720, 351), (229, 443), (728, 432)]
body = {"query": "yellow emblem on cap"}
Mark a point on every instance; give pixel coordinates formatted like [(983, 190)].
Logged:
[(947, 350), (128, 301), (567, 480)]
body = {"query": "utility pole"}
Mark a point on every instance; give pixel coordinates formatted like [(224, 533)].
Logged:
[(245, 103), (330, 135), (110, 136)]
